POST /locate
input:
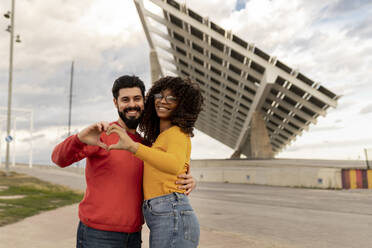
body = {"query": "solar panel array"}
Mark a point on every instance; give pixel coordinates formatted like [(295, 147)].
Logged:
[(236, 77)]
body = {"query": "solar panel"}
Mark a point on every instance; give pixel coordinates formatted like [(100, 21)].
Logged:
[(236, 77)]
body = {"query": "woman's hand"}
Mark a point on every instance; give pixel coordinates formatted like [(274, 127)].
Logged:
[(125, 142), (91, 134)]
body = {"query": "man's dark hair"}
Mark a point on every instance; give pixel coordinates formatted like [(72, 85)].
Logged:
[(189, 105), (127, 82)]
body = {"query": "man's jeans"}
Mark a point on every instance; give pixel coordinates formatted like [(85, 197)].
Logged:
[(172, 222), (92, 238)]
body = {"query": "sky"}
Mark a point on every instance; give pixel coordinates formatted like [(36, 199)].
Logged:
[(328, 41)]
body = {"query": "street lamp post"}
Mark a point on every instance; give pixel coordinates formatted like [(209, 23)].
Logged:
[(10, 14)]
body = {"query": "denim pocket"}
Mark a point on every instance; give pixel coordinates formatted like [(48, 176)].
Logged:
[(161, 208), (190, 226)]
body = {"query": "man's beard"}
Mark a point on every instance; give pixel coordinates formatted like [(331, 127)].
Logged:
[(132, 122)]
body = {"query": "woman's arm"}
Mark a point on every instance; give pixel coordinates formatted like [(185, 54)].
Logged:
[(171, 161)]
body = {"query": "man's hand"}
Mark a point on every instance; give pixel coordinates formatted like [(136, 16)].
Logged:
[(90, 135), (125, 142), (187, 182)]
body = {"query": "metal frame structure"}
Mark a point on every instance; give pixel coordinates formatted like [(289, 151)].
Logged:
[(16, 116), (238, 80)]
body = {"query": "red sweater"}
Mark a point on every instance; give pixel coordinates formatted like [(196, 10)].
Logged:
[(113, 197)]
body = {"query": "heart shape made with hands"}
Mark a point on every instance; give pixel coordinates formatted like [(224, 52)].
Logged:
[(91, 135), (124, 143)]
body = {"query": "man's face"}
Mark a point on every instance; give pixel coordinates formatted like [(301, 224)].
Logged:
[(130, 106)]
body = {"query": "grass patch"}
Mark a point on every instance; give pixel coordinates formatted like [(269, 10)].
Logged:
[(38, 196)]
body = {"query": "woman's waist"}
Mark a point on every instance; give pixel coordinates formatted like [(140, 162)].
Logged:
[(162, 189), (155, 185), (174, 197)]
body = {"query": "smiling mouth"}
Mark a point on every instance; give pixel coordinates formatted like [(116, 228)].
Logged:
[(132, 112), (162, 108)]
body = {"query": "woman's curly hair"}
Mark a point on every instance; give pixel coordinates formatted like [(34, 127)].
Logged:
[(189, 99)]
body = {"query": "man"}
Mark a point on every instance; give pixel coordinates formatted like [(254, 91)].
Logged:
[(110, 213)]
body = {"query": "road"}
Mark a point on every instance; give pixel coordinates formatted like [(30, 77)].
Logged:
[(242, 215)]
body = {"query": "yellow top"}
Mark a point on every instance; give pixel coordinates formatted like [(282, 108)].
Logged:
[(168, 157)]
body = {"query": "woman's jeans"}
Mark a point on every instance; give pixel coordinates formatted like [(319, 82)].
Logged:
[(92, 238), (172, 222)]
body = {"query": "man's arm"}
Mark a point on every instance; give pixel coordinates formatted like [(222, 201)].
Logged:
[(75, 147), (68, 151)]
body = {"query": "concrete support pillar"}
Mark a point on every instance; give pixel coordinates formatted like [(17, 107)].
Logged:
[(260, 142), (236, 155), (155, 66), (257, 145)]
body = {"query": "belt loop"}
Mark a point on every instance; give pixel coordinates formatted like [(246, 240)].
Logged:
[(178, 196)]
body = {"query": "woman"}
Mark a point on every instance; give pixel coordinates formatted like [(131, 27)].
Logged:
[(171, 109)]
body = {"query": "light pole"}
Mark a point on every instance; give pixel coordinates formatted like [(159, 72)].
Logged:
[(10, 14)]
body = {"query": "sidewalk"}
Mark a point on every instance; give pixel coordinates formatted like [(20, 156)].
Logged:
[(57, 229)]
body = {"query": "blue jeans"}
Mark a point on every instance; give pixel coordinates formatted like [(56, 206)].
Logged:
[(172, 222), (88, 237)]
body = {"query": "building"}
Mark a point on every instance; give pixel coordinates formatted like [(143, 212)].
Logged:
[(255, 103)]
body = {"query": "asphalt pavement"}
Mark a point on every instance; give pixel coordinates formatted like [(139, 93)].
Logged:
[(230, 215)]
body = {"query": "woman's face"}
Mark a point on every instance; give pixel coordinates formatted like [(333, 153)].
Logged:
[(165, 103)]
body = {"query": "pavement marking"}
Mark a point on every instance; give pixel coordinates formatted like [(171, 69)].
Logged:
[(2, 188), (8, 197)]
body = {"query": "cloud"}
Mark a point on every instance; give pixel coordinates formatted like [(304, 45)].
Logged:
[(362, 29), (325, 128), (346, 6), (240, 4), (103, 42), (367, 109), (205, 147), (58, 31), (332, 144), (39, 136)]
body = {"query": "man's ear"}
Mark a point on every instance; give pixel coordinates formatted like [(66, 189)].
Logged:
[(115, 102)]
